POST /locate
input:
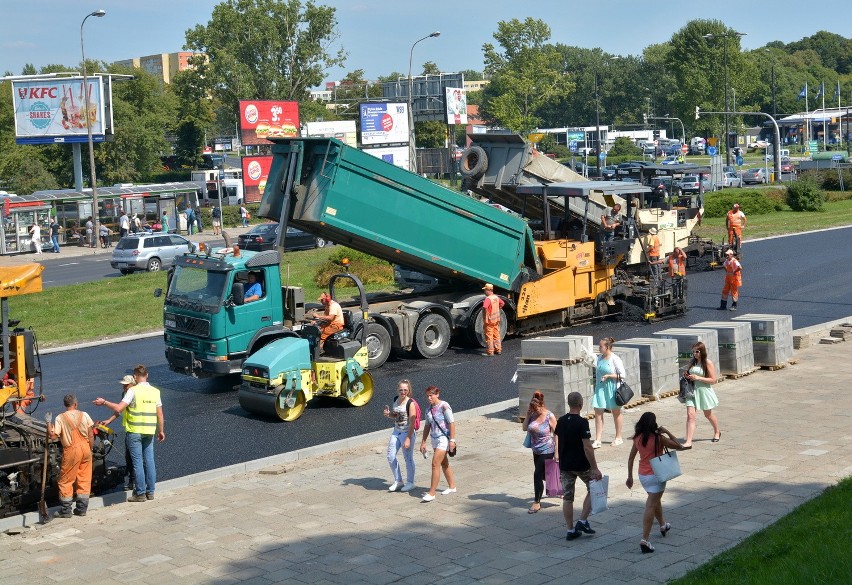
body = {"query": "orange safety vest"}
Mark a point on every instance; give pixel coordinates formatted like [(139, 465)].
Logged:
[(654, 247), (733, 271), (680, 261), (735, 219), (491, 311)]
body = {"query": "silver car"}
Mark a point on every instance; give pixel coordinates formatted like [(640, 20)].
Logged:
[(149, 252), (732, 180)]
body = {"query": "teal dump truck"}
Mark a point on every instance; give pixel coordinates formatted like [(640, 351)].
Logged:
[(352, 198)]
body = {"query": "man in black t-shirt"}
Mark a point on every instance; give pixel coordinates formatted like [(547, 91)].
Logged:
[(576, 459)]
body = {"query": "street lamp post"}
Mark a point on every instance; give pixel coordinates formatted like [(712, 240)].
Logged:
[(598, 122), (726, 36), (88, 118), (412, 149)]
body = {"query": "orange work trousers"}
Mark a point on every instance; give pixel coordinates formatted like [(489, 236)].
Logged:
[(732, 231), (732, 287), (76, 470), (492, 338), (328, 330)]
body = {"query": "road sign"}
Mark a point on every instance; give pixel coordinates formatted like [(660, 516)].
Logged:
[(684, 149), (837, 157), (602, 156), (813, 146), (572, 146), (536, 137), (711, 150), (739, 161), (712, 141)]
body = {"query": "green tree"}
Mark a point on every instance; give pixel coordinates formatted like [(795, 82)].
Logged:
[(623, 146), (431, 134), (264, 49), (834, 51), (525, 75), (194, 117), (429, 68)]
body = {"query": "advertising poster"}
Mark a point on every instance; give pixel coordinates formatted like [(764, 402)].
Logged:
[(264, 119), (343, 130), (385, 123), (54, 110), (456, 105), (255, 173), (395, 155)]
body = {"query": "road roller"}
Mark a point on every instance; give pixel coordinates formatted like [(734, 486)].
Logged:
[(279, 379)]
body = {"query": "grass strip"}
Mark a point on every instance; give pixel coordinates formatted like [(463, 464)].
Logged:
[(809, 545)]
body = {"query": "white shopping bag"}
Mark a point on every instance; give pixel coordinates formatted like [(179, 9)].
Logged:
[(599, 491)]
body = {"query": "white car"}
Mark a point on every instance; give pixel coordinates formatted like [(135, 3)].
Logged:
[(731, 180)]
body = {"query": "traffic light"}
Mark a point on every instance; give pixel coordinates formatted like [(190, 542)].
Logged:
[(732, 140), (697, 112), (656, 134)]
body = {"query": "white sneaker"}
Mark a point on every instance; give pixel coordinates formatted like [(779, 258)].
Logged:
[(448, 491), (616, 442), (394, 486), (428, 498), (407, 487), (596, 445)]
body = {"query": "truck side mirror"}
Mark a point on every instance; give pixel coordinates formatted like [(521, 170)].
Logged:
[(238, 292)]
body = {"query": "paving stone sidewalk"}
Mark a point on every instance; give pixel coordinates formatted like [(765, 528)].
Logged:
[(329, 519)]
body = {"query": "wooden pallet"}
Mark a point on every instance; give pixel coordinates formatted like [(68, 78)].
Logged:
[(739, 375), (773, 368)]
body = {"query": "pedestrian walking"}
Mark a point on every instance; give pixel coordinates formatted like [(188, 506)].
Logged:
[(649, 439), (35, 237), (403, 413), (540, 424), (609, 371), (441, 427), (54, 234), (90, 232), (244, 215), (123, 224), (216, 214), (164, 222), (576, 460), (126, 382), (143, 422), (74, 430), (136, 224), (733, 281), (190, 220), (491, 308), (702, 372)]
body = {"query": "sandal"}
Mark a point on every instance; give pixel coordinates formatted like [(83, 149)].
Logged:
[(646, 546), (665, 528), (534, 508)]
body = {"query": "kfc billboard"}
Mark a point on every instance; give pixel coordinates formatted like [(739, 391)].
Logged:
[(384, 123), (54, 110), (255, 173), (264, 119)]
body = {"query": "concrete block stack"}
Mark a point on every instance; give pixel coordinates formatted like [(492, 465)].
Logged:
[(658, 363), (686, 337), (736, 353), (771, 338), (554, 366)]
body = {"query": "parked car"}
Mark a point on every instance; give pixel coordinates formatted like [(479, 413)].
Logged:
[(608, 173), (756, 175), (731, 180), (263, 236), (150, 252), (786, 165)]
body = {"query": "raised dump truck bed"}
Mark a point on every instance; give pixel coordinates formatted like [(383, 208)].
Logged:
[(356, 199)]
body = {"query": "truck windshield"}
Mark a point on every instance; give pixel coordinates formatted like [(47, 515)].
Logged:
[(197, 289)]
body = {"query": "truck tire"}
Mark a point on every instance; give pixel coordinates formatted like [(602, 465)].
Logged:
[(378, 342), (432, 336), (476, 328), (474, 162)]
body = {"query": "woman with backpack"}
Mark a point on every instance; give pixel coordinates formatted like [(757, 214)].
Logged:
[(441, 427), (406, 420)]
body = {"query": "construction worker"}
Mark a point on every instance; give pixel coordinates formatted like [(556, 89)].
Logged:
[(74, 428), (330, 320), (677, 270), (653, 249), (733, 281), (610, 223), (735, 221), (491, 319)]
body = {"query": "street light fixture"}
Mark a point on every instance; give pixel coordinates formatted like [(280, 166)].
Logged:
[(88, 118), (412, 151), (726, 35)]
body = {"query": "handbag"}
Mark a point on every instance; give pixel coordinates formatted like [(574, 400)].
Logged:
[(665, 466), (552, 481), (599, 490), (451, 447), (528, 441), (687, 390), (623, 393)]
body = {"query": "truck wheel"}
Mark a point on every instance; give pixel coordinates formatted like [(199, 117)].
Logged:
[(358, 393), (474, 162), (378, 342), (432, 336), (476, 328)]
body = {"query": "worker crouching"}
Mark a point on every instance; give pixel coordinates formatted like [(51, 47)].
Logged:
[(74, 428)]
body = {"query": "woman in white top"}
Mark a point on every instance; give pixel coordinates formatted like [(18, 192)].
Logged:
[(35, 234)]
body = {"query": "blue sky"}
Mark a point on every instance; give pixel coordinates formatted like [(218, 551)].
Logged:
[(378, 34)]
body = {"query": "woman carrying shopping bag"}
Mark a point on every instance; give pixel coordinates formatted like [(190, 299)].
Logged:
[(539, 424)]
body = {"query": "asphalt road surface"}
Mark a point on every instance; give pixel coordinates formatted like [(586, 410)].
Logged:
[(804, 275)]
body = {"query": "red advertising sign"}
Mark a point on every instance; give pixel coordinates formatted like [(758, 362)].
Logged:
[(264, 119), (255, 172)]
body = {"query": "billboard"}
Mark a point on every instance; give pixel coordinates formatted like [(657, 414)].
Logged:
[(54, 110), (262, 119), (344, 130), (456, 105), (395, 155), (255, 173), (384, 123)]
